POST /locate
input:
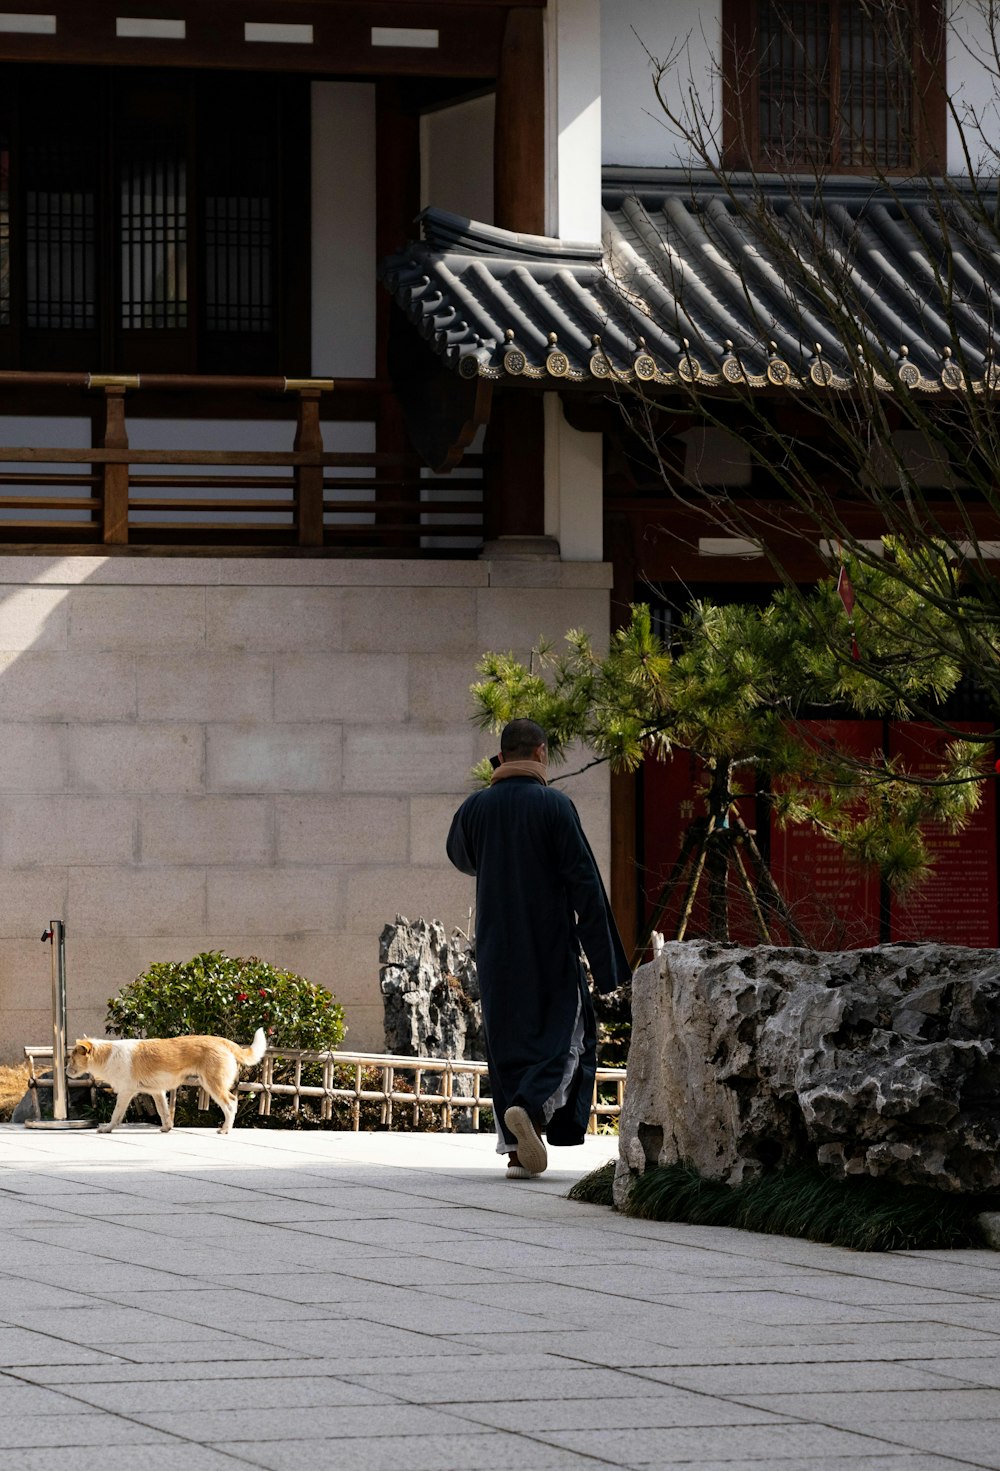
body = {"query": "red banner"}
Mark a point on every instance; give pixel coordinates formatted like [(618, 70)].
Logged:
[(673, 797), (834, 902), (957, 904)]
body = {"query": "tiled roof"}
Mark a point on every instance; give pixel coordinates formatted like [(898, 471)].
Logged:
[(689, 283)]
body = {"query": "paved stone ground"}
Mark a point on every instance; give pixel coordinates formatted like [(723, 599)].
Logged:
[(185, 1302)]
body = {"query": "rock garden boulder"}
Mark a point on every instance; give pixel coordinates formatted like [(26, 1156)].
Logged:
[(882, 1062)]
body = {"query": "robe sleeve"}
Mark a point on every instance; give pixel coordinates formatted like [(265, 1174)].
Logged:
[(458, 846), (595, 923)]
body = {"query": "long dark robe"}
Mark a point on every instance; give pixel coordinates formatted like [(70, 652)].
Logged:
[(539, 897)]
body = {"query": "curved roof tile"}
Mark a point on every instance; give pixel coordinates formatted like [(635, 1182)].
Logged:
[(731, 282)]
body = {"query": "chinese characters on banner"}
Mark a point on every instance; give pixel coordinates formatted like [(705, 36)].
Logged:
[(957, 905), (834, 902)]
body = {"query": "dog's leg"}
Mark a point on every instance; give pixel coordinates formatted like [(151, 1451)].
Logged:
[(164, 1110), (121, 1104), (226, 1101)]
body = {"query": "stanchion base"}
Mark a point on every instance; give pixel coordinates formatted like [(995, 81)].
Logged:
[(59, 1124)]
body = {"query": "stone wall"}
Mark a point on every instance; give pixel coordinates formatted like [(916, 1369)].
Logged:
[(257, 754)]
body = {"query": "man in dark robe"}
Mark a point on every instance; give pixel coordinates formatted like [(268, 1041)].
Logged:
[(539, 897)]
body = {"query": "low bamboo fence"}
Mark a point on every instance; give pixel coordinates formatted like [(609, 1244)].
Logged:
[(439, 1089)]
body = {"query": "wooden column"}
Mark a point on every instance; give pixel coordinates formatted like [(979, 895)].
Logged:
[(519, 130), (309, 476), (114, 478), (397, 204), (619, 540), (515, 466)]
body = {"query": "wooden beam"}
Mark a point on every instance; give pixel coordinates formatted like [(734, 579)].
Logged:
[(519, 129), (339, 43)]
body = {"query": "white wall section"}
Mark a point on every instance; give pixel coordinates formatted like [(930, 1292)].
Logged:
[(573, 184), (456, 159), (343, 230), (636, 130), (574, 486)]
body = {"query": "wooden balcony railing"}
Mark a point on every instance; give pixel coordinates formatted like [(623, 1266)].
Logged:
[(109, 494)]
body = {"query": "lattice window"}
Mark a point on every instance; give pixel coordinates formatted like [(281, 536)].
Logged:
[(238, 263), (153, 225), (60, 238), (167, 232), (834, 84)]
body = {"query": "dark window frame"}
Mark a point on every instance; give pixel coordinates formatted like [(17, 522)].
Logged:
[(194, 108), (743, 147)]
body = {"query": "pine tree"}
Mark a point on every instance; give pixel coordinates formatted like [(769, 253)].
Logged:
[(734, 688)]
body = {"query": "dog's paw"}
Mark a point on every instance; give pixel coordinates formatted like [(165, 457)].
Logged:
[(104, 1128), (165, 1128)]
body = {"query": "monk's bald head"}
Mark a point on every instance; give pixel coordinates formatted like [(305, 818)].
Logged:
[(520, 740)]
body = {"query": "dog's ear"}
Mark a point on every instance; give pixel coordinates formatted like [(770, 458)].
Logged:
[(84, 1045)]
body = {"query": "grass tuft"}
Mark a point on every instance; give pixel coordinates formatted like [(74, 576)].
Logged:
[(595, 1188), (862, 1213)]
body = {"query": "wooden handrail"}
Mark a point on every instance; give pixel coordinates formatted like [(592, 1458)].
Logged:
[(186, 382), (336, 499)]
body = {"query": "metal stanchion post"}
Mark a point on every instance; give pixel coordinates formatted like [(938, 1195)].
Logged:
[(56, 936)]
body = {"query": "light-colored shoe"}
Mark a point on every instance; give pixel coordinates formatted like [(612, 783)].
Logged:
[(518, 1172), (530, 1146)]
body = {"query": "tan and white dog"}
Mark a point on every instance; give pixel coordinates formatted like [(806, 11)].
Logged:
[(157, 1065)]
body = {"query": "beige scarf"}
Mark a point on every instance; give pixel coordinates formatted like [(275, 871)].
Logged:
[(534, 769)]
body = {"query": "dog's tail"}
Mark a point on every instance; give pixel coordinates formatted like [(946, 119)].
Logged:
[(250, 1056)]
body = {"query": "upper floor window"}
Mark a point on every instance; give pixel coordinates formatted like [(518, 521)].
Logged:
[(848, 86), (153, 221)]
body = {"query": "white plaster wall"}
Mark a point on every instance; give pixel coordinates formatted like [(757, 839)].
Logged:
[(343, 229), (456, 159), (573, 137), (974, 90), (574, 486), (261, 755), (635, 129)]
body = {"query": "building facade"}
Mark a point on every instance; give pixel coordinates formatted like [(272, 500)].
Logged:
[(281, 460)]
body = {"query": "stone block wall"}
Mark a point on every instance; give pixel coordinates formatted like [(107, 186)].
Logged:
[(254, 754)]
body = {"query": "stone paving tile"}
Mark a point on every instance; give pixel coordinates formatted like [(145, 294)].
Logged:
[(74, 1432), (470, 1382), (668, 1447), (487, 1451), (22, 1346), (892, 1460), (117, 1327), (320, 1286), (613, 1412), (741, 1380), (876, 1407), (976, 1441), (218, 1349), (303, 1391), (161, 1456), (227, 1308), (317, 1422), (264, 1362), (984, 1372), (31, 1399)]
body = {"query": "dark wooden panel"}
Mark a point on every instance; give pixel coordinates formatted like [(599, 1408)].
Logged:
[(469, 36)]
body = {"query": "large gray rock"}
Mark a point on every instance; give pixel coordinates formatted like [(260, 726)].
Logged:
[(879, 1062), (430, 995)]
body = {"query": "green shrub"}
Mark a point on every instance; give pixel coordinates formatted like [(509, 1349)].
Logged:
[(224, 996)]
